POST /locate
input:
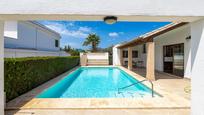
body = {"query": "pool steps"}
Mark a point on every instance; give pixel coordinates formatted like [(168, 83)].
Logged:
[(131, 95)]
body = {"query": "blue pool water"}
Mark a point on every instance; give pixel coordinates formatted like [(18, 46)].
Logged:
[(96, 82)]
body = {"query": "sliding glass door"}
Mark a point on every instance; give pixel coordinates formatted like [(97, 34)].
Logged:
[(178, 57), (174, 59)]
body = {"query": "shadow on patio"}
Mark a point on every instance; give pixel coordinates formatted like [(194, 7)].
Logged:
[(167, 82), (158, 75)]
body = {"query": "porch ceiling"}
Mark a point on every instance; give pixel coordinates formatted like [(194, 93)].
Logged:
[(148, 37), (135, 10), (97, 17)]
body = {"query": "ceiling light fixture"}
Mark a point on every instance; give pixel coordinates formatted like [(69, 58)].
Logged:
[(110, 19)]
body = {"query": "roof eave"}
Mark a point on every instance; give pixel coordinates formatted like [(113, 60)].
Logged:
[(142, 40), (42, 26)]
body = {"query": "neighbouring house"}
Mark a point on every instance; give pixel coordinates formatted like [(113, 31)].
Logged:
[(30, 39), (167, 49)]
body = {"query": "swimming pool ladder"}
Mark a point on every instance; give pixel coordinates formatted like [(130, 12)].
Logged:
[(152, 86)]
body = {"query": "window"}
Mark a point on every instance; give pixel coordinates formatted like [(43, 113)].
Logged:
[(144, 48), (135, 54), (56, 43), (125, 54)]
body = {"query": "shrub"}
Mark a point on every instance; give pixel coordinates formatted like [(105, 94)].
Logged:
[(24, 74)]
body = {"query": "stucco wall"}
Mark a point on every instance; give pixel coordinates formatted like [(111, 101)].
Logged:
[(46, 41), (197, 70), (174, 37), (96, 56), (10, 29), (116, 55), (30, 36)]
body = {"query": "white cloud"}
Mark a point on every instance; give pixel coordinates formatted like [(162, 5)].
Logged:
[(85, 29), (81, 32), (113, 34)]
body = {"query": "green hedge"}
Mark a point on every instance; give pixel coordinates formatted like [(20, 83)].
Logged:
[(24, 74)]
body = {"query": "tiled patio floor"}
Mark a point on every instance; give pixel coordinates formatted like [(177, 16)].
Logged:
[(168, 82), (175, 100)]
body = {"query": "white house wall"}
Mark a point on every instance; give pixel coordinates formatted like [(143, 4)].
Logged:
[(31, 36), (46, 41), (175, 36), (26, 37), (116, 55), (10, 29), (141, 55), (96, 56)]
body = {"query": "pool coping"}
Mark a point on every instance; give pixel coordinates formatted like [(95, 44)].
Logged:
[(28, 100)]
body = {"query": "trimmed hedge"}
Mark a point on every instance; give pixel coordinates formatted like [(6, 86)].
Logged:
[(24, 74)]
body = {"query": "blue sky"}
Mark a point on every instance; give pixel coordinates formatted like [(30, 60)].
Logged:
[(73, 33)]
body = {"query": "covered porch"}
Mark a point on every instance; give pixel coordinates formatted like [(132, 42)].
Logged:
[(139, 54)]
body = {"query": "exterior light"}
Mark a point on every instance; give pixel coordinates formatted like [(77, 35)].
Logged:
[(110, 19), (188, 38)]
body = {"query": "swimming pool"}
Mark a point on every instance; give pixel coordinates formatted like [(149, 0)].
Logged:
[(96, 82)]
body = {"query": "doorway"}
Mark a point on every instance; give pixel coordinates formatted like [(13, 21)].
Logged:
[(173, 59)]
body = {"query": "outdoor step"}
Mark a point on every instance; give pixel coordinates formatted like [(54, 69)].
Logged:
[(97, 61), (132, 94), (94, 62), (119, 95), (124, 94), (97, 64)]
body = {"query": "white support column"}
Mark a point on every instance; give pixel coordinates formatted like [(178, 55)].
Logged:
[(150, 71), (1, 68), (197, 67), (116, 56), (130, 58)]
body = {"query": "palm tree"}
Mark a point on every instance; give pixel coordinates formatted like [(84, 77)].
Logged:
[(92, 40)]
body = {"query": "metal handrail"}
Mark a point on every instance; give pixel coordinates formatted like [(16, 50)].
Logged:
[(152, 86)]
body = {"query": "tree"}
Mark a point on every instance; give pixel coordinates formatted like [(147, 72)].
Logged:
[(108, 49), (67, 48), (71, 51), (92, 40), (74, 52)]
